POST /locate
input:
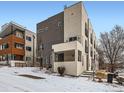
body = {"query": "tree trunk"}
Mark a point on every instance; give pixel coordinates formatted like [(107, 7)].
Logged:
[(112, 68)]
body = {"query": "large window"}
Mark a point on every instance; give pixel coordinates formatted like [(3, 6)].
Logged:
[(65, 56), (19, 46), (59, 57)]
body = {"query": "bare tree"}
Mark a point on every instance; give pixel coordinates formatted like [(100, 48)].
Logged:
[(113, 47), (101, 59)]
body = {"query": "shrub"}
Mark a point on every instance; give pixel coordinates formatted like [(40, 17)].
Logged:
[(61, 71)]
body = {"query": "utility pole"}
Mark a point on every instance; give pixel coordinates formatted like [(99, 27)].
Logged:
[(33, 49), (93, 62)]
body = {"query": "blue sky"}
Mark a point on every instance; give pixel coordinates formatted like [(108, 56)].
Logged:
[(103, 15)]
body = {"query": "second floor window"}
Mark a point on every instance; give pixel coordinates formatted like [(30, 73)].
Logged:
[(28, 38), (5, 46), (72, 39), (28, 48), (19, 46)]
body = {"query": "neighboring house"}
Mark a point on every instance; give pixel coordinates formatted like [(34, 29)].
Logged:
[(17, 44), (67, 39), (30, 47)]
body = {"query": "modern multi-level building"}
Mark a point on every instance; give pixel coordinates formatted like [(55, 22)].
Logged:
[(67, 39), (17, 44)]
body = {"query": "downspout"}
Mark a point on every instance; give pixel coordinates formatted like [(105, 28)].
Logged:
[(88, 44), (24, 45)]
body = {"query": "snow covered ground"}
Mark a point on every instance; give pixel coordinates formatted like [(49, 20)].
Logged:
[(10, 81)]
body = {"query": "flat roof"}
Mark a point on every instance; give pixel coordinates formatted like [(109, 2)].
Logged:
[(5, 31)]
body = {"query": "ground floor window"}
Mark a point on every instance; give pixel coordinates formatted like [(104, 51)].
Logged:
[(59, 57), (6, 57), (28, 58), (3, 57), (65, 56), (17, 57), (79, 55)]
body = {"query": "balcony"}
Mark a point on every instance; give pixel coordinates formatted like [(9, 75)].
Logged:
[(69, 55), (11, 49), (18, 39), (18, 51), (5, 51)]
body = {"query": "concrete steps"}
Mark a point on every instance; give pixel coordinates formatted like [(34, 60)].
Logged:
[(87, 74)]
